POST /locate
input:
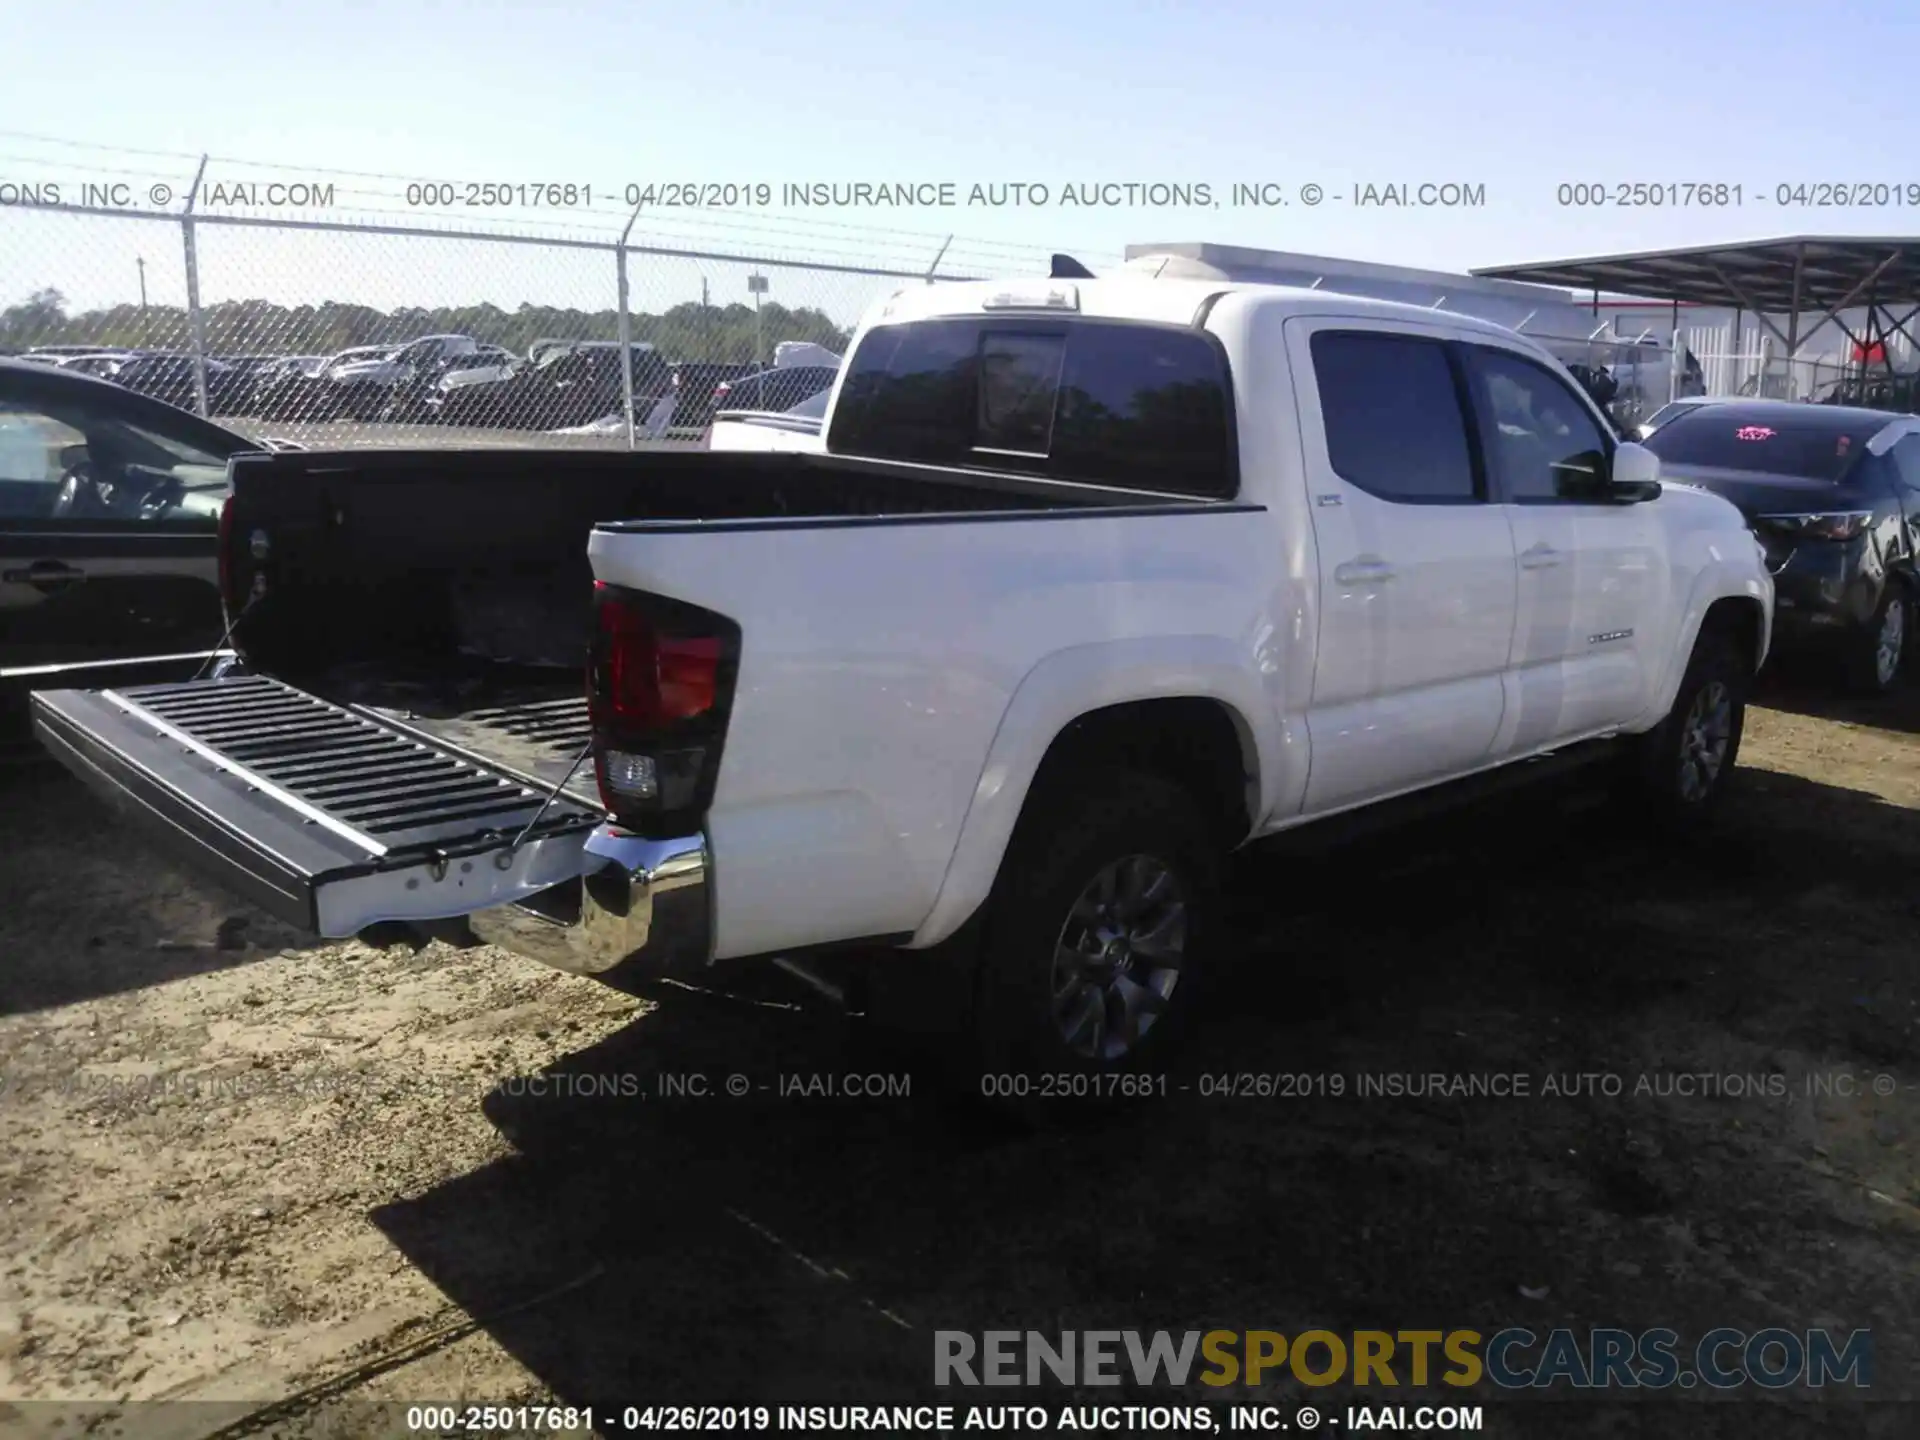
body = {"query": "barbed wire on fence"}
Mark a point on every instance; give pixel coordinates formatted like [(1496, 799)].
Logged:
[(342, 332), (411, 198)]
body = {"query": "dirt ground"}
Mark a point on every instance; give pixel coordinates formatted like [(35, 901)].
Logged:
[(241, 1167)]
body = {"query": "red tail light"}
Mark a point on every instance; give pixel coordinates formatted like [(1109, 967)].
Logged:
[(228, 598), (651, 679), (659, 683)]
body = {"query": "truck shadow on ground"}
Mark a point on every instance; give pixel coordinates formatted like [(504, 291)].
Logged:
[(126, 916), (775, 1247)]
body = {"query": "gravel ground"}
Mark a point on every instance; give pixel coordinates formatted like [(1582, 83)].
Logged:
[(244, 1167)]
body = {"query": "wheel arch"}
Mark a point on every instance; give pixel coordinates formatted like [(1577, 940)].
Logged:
[(1182, 709), (1743, 611)]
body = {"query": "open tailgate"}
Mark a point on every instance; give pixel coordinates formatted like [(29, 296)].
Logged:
[(319, 814)]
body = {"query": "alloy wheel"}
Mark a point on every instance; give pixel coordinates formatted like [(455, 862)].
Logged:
[(1117, 959), (1704, 738), (1890, 642)]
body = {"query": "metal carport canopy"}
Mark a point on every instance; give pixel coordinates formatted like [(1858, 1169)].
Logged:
[(1792, 276)]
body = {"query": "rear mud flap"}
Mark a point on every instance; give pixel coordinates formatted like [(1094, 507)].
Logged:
[(320, 815)]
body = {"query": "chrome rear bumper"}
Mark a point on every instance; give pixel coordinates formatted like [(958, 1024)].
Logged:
[(641, 908)]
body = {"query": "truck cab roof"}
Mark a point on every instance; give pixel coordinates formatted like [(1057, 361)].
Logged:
[(1162, 300)]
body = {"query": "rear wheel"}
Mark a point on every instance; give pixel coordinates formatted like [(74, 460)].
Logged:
[(1881, 646), (1096, 934)]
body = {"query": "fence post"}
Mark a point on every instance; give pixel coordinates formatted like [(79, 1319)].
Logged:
[(626, 323), (1673, 358), (196, 322), (938, 256)]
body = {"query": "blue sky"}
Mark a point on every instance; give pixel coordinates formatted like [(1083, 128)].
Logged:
[(1519, 98)]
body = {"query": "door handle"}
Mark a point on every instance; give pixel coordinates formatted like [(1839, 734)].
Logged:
[(1540, 557), (46, 576), (1363, 572)]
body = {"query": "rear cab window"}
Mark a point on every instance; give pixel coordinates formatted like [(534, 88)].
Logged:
[(1129, 404)]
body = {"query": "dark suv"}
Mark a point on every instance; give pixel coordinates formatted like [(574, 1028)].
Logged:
[(1833, 493)]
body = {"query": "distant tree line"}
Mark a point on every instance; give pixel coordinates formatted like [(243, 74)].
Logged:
[(688, 331)]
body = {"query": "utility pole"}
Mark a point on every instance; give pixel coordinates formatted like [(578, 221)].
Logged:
[(146, 331), (757, 284)]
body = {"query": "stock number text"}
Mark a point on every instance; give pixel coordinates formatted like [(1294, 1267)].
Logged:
[(1677, 195), (1070, 1086), (488, 195)]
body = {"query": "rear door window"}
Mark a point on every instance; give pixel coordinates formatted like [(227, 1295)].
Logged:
[(1393, 416), (1128, 404)]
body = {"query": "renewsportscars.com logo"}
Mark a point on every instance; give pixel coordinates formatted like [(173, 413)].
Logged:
[(1510, 1359)]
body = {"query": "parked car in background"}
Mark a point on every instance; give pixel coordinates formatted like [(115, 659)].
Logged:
[(364, 388), (567, 385), (800, 369), (489, 362), (243, 374), (109, 508), (772, 390), (278, 389), (798, 429), (1833, 493), (51, 354), (414, 398), (299, 388), (171, 376), (694, 384), (1672, 410), (99, 364)]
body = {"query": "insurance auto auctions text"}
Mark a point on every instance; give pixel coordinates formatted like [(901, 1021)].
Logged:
[(1035, 195)]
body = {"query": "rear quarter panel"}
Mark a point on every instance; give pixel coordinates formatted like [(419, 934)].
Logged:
[(879, 670)]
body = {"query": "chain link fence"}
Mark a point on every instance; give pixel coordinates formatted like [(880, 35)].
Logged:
[(1631, 376), (363, 332), (337, 334), (1765, 373)]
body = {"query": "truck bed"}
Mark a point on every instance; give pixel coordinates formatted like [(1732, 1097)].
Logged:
[(450, 593), (527, 721), (407, 734)]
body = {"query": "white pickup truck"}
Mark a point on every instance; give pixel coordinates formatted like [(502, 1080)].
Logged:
[(1095, 582)]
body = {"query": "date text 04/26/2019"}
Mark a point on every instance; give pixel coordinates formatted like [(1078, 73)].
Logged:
[(1702, 194), (935, 1419)]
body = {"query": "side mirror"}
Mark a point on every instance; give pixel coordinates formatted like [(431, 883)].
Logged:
[(1636, 475)]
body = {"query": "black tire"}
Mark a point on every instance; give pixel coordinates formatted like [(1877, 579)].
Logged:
[(1669, 776), (1868, 670), (1073, 831)]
